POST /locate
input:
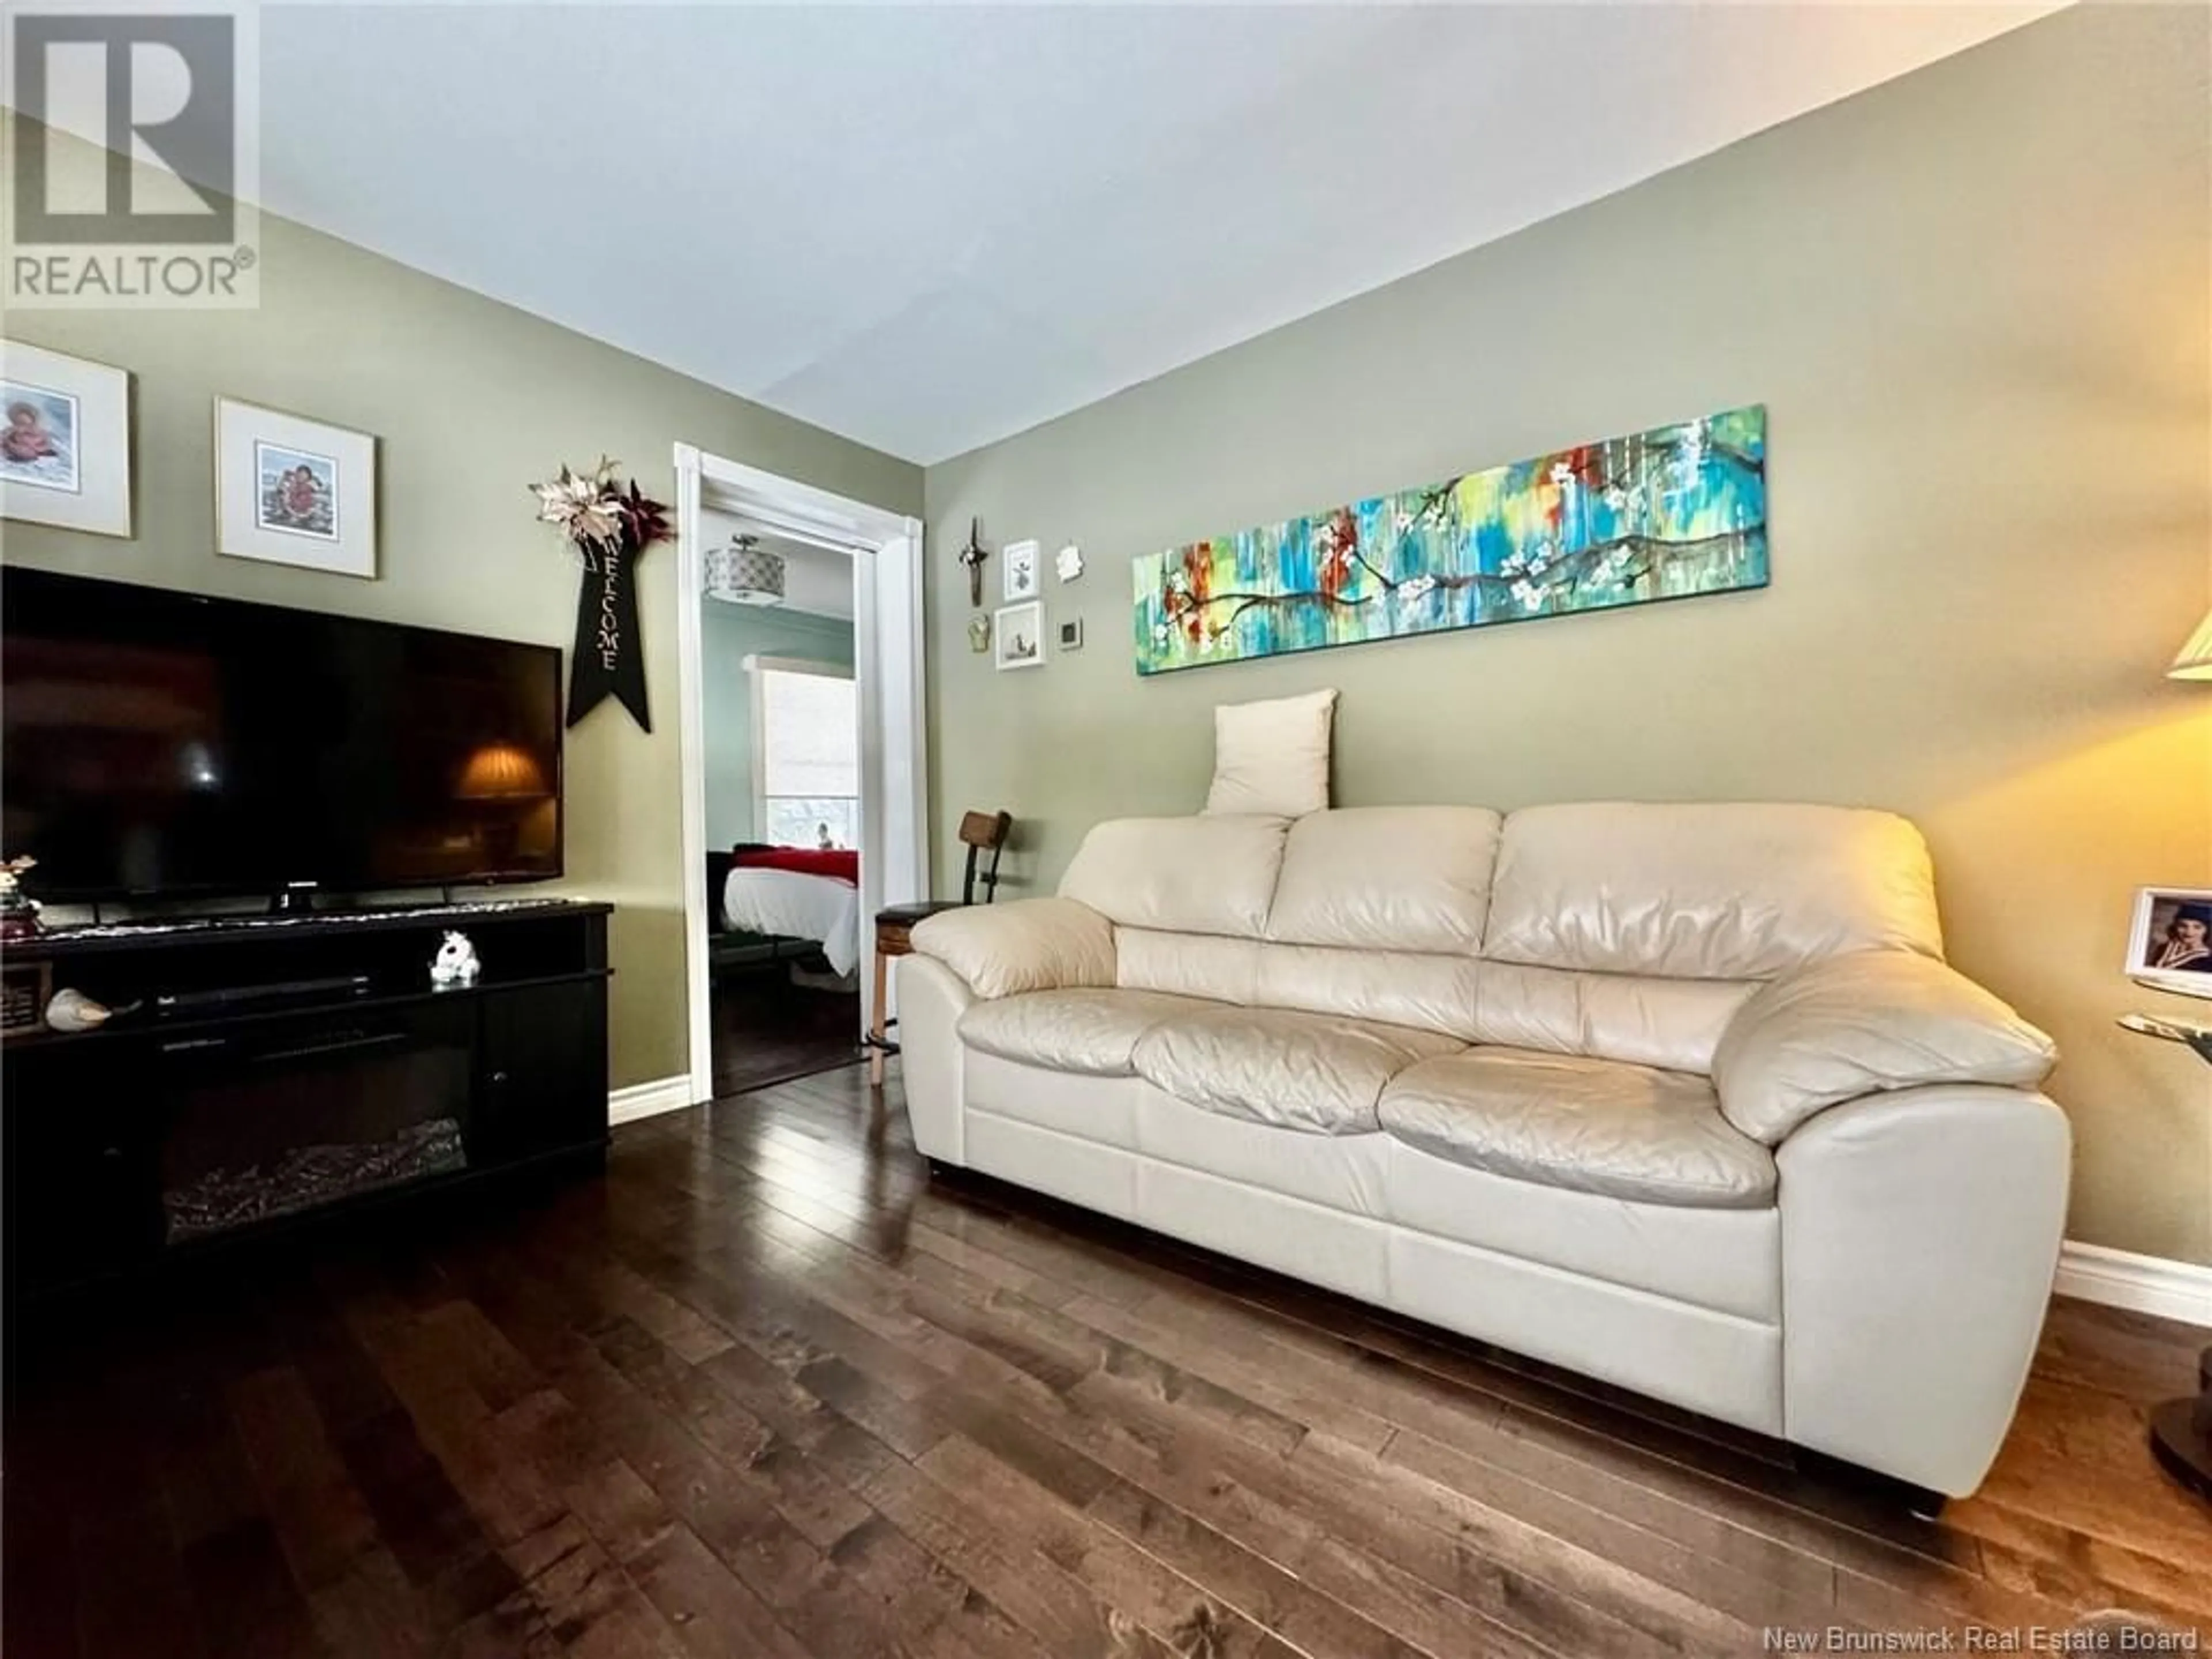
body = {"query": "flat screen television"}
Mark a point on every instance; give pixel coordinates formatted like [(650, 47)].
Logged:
[(155, 743)]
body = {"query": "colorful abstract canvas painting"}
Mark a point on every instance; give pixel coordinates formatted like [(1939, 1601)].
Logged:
[(1671, 514)]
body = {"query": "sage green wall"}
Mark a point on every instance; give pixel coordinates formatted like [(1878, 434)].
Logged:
[(1975, 303), (472, 401), (728, 635)]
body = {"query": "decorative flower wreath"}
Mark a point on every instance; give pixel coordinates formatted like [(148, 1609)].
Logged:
[(597, 515)]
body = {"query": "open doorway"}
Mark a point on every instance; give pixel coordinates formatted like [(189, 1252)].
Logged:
[(781, 721), (804, 764)]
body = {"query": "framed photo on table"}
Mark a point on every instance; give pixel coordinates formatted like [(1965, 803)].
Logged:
[(290, 490), (65, 445), (2170, 944)]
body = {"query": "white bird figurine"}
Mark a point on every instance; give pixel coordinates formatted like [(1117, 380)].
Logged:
[(73, 1011)]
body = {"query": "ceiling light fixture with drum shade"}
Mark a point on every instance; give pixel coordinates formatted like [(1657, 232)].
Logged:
[(744, 573)]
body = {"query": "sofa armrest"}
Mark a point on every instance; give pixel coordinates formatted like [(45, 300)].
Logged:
[(1920, 1230), (1864, 1022), (1028, 945), (931, 1060)]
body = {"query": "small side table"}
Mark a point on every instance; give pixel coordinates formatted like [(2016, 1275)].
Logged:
[(980, 832), (894, 930), (2181, 1429), (892, 939)]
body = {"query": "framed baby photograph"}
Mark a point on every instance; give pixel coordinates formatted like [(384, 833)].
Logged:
[(1019, 636), (2170, 944), (294, 491), (65, 447)]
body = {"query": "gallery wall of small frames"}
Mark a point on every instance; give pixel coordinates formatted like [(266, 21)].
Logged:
[(1015, 633)]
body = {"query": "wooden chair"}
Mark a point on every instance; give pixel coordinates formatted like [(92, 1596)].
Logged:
[(983, 832)]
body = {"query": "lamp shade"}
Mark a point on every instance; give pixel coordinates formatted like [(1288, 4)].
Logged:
[(743, 573), (500, 771), (2195, 662)]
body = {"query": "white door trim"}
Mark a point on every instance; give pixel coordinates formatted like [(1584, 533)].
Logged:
[(691, 748), (790, 508), (887, 653), (899, 586)]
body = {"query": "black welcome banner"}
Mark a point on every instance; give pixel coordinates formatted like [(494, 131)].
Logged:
[(610, 655)]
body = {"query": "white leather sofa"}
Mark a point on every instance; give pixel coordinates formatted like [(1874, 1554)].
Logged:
[(1680, 1096)]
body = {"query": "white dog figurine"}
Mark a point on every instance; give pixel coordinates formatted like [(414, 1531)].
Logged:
[(457, 963)]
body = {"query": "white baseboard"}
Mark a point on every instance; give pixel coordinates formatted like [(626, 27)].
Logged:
[(667, 1094), (2142, 1283)]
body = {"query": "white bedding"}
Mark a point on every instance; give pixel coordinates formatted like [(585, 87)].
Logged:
[(819, 907)]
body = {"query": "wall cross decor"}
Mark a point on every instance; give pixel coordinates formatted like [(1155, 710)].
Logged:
[(973, 555)]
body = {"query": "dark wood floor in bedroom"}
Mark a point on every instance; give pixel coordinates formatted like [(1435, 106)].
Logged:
[(767, 1029), (768, 1390)]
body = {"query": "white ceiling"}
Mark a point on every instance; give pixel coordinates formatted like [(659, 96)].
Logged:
[(928, 227)]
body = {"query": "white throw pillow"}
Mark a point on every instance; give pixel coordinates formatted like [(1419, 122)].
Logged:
[(1271, 758)]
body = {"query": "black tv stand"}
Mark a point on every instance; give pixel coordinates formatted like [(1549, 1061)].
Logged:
[(221, 998), (274, 1069)]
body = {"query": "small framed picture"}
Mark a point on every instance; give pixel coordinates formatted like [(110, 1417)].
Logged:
[(65, 445), (1071, 633), (2170, 945), (294, 491), (1018, 635), (1018, 563)]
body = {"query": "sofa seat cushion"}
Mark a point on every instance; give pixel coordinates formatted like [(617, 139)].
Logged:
[(1593, 1126), (1092, 1031), (1321, 1073), (1338, 1172)]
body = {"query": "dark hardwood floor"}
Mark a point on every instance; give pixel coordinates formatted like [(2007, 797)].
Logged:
[(767, 1389), (767, 1029)]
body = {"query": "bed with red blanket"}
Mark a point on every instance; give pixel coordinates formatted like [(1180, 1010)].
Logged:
[(838, 863), (797, 892)]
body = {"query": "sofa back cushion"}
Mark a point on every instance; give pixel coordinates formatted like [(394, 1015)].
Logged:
[(1429, 993), (1387, 878), (1707, 892), (1202, 875), (1621, 931), (1641, 1019), (1187, 965), (1376, 913)]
